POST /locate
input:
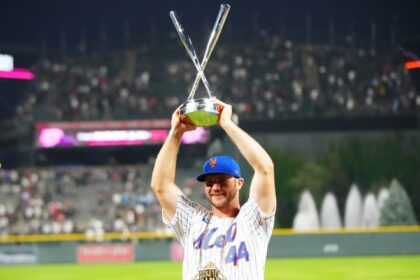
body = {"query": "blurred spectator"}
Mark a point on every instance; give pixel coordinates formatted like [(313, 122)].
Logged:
[(59, 200), (275, 78)]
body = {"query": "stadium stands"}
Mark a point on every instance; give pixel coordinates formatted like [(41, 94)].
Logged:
[(274, 79), (85, 200)]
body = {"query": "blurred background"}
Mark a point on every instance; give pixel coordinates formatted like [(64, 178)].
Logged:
[(331, 90)]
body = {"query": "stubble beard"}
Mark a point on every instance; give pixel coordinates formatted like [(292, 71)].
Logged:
[(222, 203)]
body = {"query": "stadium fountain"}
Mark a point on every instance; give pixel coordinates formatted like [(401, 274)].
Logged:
[(353, 208), (307, 215), (383, 195), (330, 216), (370, 213)]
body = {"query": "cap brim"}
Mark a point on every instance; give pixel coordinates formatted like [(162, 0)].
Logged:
[(202, 177)]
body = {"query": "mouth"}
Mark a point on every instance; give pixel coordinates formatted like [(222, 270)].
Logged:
[(218, 195)]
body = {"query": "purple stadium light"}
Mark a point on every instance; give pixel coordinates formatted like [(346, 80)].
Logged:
[(17, 73)]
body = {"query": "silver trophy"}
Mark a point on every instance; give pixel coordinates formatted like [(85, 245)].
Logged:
[(200, 111)]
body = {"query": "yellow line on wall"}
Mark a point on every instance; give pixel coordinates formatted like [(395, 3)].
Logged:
[(82, 236), (157, 235), (289, 231)]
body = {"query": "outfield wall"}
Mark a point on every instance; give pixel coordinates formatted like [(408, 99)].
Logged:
[(345, 244), (284, 243)]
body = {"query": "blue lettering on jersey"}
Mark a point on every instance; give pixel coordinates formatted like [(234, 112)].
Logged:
[(231, 233), (234, 256), (199, 241), (208, 238), (206, 241)]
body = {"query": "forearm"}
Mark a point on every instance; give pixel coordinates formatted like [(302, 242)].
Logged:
[(165, 165), (163, 176), (262, 186), (250, 149)]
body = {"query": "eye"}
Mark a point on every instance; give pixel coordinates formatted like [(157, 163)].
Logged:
[(209, 183), (221, 182)]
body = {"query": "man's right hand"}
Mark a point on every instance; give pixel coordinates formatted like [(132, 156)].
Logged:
[(178, 125)]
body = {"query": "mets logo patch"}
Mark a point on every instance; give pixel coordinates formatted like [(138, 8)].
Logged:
[(213, 162)]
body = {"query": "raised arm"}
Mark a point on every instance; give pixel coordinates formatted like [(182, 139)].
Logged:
[(262, 186), (163, 176)]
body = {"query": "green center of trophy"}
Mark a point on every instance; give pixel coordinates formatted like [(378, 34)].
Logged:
[(203, 118)]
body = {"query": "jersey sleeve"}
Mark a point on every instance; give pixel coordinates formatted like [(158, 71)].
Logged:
[(259, 222), (186, 211)]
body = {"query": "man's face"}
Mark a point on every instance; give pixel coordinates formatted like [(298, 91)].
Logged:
[(222, 189)]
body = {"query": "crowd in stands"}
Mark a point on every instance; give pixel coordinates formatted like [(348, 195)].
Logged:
[(273, 78), (91, 200)]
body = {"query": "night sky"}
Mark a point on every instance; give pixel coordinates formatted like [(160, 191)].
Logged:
[(29, 23)]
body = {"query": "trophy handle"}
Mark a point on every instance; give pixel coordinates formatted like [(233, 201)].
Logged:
[(203, 111), (214, 37), (191, 51)]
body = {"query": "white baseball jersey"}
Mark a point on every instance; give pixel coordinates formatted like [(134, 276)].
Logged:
[(235, 246)]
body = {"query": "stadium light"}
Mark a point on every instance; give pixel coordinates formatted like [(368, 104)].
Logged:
[(6, 62), (414, 64), (17, 73)]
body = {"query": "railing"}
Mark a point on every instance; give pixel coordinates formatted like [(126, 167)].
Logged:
[(164, 235)]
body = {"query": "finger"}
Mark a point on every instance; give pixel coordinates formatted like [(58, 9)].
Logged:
[(218, 102), (219, 105), (188, 126)]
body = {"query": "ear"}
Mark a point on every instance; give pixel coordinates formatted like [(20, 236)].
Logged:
[(239, 183)]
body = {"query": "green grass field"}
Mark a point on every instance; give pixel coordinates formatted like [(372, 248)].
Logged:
[(366, 268)]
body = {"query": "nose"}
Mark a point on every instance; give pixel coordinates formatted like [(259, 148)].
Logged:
[(216, 185)]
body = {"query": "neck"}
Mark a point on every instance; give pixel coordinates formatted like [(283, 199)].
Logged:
[(230, 211)]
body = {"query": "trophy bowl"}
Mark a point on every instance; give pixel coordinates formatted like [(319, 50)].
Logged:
[(199, 112)]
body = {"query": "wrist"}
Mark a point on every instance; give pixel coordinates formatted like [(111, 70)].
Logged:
[(226, 122), (176, 134)]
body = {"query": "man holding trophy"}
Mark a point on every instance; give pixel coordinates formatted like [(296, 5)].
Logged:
[(229, 241)]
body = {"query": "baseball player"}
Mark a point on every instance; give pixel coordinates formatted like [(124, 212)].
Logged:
[(229, 241)]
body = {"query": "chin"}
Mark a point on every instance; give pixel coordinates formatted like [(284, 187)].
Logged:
[(219, 203)]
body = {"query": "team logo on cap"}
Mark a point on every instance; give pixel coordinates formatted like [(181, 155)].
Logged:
[(213, 162)]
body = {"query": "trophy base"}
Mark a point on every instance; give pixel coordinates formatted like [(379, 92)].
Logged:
[(200, 112)]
